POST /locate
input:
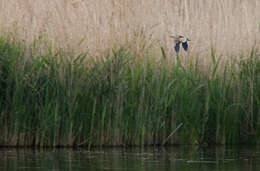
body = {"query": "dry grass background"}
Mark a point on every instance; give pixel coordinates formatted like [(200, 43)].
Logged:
[(231, 26)]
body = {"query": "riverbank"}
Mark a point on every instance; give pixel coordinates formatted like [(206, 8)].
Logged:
[(57, 99)]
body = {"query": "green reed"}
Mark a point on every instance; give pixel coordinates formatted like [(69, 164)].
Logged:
[(57, 99)]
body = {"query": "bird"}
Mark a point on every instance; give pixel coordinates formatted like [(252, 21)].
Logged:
[(180, 40)]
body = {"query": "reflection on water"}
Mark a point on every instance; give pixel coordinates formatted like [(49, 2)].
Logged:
[(184, 158)]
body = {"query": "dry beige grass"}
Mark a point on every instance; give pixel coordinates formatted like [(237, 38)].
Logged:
[(231, 26)]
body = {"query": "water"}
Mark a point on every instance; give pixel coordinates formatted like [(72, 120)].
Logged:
[(184, 158)]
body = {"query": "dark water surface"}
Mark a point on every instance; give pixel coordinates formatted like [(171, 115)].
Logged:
[(183, 158)]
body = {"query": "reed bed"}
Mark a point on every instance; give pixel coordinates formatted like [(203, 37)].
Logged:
[(101, 73), (57, 99), (232, 27)]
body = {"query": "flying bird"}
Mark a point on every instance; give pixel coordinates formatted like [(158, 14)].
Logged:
[(180, 40)]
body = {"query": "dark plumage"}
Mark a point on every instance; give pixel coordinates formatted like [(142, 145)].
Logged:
[(185, 45), (180, 40), (177, 47)]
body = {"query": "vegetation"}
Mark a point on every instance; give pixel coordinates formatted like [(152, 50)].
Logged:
[(57, 99), (231, 26), (130, 88)]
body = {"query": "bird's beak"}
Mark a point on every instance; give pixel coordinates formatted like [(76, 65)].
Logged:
[(188, 39), (171, 36)]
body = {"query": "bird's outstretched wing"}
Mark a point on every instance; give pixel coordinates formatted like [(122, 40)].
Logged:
[(177, 47), (185, 45)]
